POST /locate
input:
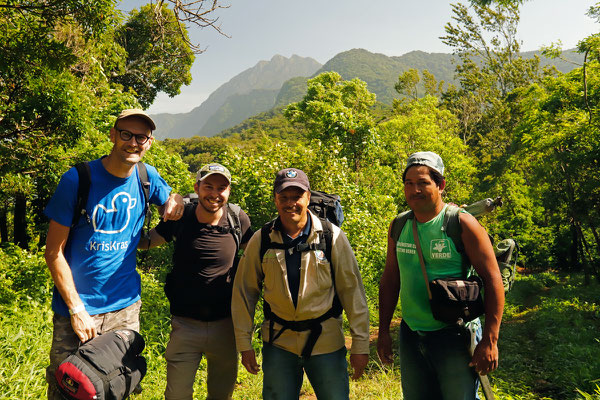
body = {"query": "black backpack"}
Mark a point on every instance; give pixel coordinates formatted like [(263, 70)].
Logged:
[(83, 191), (326, 206), (107, 367)]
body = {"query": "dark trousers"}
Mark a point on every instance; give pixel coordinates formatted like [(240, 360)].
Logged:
[(435, 365)]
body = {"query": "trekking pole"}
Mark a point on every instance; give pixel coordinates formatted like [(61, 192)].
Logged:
[(483, 379)]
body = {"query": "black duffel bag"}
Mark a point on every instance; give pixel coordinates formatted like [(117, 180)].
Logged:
[(453, 300), (107, 367)]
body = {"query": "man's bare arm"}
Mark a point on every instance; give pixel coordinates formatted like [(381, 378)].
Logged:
[(82, 323), (173, 208), (389, 289), (153, 240), (481, 254)]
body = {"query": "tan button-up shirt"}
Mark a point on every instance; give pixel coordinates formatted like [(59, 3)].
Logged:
[(315, 295)]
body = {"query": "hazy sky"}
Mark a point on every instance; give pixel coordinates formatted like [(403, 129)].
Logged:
[(321, 29)]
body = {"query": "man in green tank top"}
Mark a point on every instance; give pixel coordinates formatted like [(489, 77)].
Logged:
[(434, 357)]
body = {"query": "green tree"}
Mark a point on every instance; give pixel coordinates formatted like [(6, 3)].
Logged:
[(337, 112), (424, 126), (562, 151), (158, 56), (491, 69), (407, 84)]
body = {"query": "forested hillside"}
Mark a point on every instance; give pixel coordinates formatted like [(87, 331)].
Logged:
[(507, 127)]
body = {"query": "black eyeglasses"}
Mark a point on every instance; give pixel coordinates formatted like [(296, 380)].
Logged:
[(126, 136)]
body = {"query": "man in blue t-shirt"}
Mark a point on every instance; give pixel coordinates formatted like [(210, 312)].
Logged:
[(92, 263)]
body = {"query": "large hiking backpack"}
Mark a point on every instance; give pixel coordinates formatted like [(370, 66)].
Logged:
[(325, 206), (107, 367), (506, 251), (83, 191)]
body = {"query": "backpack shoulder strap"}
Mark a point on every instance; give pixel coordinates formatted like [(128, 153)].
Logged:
[(143, 174), (328, 237), (145, 182), (265, 238), (399, 222), (453, 229), (233, 217), (83, 190), (451, 226)]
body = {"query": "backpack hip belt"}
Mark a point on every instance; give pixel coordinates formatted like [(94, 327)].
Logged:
[(313, 325)]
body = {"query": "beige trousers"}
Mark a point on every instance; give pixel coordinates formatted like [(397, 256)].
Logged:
[(190, 340)]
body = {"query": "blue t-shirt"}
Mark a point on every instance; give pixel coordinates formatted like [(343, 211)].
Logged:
[(102, 254)]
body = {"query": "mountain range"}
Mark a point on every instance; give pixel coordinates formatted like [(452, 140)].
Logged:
[(282, 80)]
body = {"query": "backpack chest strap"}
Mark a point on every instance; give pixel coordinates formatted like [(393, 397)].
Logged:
[(291, 248)]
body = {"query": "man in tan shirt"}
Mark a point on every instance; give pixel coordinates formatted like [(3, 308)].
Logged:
[(308, 272)]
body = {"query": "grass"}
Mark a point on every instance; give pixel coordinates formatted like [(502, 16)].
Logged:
[(549, 343), (550, 339)]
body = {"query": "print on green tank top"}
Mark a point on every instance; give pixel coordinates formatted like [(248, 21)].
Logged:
[(442, 260)]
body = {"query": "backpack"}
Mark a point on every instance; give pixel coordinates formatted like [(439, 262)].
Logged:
[(325, 206), (107, 367), (506, 251), (83, 191)]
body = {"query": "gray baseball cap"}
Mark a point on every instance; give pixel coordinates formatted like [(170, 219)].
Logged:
[(290, 177), (210, 169), (426, 158)]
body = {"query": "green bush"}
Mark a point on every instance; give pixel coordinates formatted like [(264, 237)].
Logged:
[(23, 275)]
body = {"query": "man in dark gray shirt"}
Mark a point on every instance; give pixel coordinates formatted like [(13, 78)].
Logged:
[(207, 240)]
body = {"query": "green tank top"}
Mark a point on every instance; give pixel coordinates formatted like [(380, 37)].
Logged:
[(442, 260)]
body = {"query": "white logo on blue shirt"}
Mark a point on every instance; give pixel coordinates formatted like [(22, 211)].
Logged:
[(116, 219)]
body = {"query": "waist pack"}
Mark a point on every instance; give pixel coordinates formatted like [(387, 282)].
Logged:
[(107, 367), (456, 299)]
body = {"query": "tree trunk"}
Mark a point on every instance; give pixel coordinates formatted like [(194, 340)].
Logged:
[(37, 208), (574, 259), (3, 225), (20, 221), (583, 249), (596, 237)]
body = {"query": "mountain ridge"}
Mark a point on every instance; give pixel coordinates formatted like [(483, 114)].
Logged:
[(265, 75), (276, 83)]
